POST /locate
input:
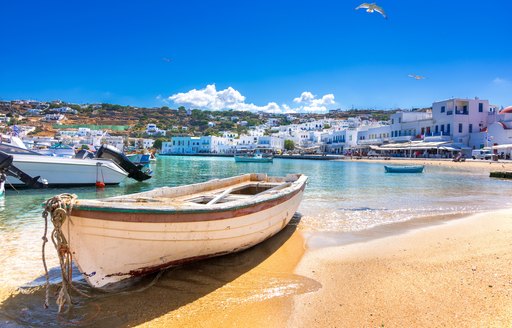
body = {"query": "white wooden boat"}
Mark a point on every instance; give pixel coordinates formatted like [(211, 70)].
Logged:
[(117, 238)]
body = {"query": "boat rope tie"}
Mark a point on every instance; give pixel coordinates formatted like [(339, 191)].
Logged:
[(59, 208)]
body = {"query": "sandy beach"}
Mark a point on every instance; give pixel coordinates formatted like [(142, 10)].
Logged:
[(457, 274)]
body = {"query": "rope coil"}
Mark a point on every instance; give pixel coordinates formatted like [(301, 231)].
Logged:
[(59, 209)]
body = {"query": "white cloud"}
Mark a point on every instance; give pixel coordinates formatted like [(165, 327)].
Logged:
[(501, 81), (306, 96), (311, 104), (211, 99)]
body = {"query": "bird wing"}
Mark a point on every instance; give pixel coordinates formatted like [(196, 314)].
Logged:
[(380, 11), (411, 75), (363, 6)]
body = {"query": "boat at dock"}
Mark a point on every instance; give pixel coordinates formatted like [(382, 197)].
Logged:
[(117, 238), (259, 155), (108, 167), (404, 168)]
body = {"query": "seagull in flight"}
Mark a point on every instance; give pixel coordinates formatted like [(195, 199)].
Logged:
[(167, 59), (416, 77), (371, 7)]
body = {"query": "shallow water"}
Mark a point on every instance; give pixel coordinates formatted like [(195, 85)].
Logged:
[(340, 197)]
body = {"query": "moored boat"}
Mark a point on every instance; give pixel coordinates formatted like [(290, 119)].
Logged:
[(257, 158), (121, 237), (404, 168), (258, 155)]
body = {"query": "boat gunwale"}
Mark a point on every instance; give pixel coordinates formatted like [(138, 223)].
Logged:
[(193, 208)]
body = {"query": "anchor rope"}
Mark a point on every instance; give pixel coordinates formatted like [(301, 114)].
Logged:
[(59, 209)]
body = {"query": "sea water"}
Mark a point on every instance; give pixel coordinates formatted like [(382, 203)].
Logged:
[(341, 196)]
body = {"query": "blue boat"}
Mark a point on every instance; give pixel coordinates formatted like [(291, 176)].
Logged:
[(404, 168)]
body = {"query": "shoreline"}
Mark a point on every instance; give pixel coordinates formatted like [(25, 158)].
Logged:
[(470, 165)]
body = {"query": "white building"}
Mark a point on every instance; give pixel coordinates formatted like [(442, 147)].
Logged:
[(54, 117), (407, 126), (337, 142), (196, 145), (63, 110), (153, 130), (252, 142), (459, 118), (116, 141)]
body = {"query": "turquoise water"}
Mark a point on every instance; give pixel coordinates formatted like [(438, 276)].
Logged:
[(340, 196)]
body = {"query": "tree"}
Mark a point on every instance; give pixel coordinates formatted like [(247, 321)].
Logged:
[(289, 144), (158, 143)]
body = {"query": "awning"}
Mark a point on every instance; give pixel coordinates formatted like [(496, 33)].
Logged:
[(505, 146), (418, 145)]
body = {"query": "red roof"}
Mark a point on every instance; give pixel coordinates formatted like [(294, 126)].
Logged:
[(506, 110)]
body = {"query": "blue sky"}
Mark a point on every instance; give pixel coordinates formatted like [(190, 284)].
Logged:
[(256, 54)]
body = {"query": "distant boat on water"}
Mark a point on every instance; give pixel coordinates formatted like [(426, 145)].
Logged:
[(257, 156), (404, 168)]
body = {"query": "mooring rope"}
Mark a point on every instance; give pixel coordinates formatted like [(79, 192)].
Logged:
[(59, 208)]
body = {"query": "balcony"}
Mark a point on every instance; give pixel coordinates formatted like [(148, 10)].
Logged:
[(401, 138), (461, 112)]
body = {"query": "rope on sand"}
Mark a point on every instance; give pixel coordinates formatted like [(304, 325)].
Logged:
[(59, 209)]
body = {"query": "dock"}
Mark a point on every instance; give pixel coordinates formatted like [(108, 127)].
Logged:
[(501, 174)]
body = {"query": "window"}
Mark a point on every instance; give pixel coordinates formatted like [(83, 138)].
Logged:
[(437, 129), (447, 128), (442, 128), (460, 127), (480, 107), (443, 108), (470, 128)]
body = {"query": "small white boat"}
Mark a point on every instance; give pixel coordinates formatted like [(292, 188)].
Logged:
[(257, 158), (121, 237), (259, 155), (61, 171)]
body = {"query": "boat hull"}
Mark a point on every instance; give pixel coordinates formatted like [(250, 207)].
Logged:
[(247, 159), (109, 247), (68, 171), (404, 169)]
